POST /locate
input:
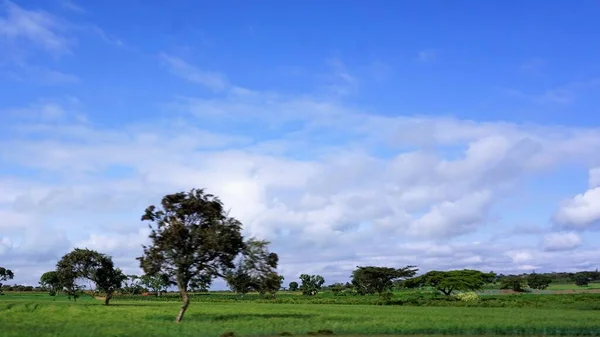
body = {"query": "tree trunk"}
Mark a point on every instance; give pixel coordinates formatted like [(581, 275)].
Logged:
[(108, 297), (184, 306)]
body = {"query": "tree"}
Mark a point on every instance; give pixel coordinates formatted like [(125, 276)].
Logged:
[(512, 282), (132, 285), (50, 281), (155, 283), (91, 265), (192, 239), (255, 270), (538, 281), (293, 286), (449, 281), (5, 275), (311, 284), (581, 279), (371, 280)]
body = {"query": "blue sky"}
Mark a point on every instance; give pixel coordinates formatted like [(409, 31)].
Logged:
[(445, 135)]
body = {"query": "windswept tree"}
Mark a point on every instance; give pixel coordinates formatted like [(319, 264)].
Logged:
[(192, 239), (5, 275), (311, 284), (50, 282), (371, 280), (91, 265), (449, 281), (132, 285), (255, 270)]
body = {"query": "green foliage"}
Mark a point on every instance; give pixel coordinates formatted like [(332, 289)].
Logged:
[(468, 297), (515, 283), (50, 281), (293, 286), (193, 240), (581, 279), (155, 283), (538, 281), (91, 265), (454, 280), (5, 275), (311, 284), (132, 285), (371, 280), (255, 270)]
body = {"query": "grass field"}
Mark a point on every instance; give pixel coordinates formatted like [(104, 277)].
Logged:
[(41, 315)]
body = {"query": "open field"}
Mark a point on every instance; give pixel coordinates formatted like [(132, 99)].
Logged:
[(40, 315)]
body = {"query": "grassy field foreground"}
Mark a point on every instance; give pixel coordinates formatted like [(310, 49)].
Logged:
[(39, 315)]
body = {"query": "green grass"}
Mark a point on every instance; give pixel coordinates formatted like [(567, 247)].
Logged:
[(573, 287), (41, 315)]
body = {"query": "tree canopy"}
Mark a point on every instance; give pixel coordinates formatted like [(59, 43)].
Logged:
[(371, 280), (293, 286), (538, 281), (449, 281), (512, 282), (50, 281), (255, 270), (311, 284), (5, 275), (91, 265), (192, 239)]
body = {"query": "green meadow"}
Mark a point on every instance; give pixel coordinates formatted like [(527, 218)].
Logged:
[(37, 314)]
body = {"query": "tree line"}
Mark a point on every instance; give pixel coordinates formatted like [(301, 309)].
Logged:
[(193, 240)]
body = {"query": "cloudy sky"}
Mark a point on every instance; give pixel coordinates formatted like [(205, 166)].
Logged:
[(440, 134)]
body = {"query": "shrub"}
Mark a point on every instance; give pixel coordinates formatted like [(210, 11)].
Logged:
[(468, 297)]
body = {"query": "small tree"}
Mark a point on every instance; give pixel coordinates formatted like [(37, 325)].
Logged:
[(91, 265), (538, 281), (311, 284), (293, 286), (192, 238), (514, 283), (454, 280), (371, 280), (132, 285), (5, 275), (155, 283), (581, 279), (50, 282)]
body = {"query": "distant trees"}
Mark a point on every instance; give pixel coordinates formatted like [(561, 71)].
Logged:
[(193, 240), (91, 265), (581, 279), (50, 281), (5, 275), (293, 286), (155, 283), (132, 285), (454, 280), (371, 280), (515, 283), (311, 284), (538, 281)]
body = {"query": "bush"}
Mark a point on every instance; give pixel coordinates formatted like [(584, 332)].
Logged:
[(468, 297)]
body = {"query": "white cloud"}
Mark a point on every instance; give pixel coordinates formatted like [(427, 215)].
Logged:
[(561, 241), (212, 80), (581, 211), (331, 186), (35, 26)]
